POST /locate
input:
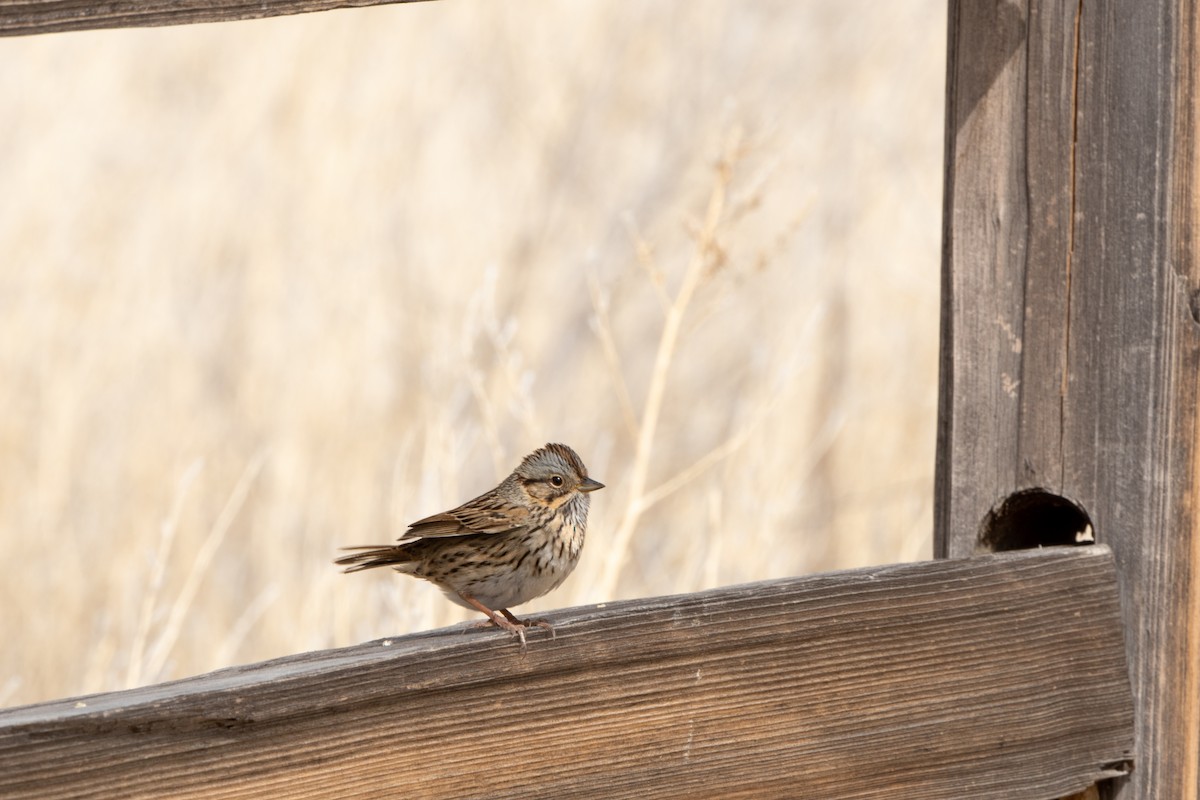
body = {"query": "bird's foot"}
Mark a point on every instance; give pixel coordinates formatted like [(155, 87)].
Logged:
[(529, 623), (513, 626), (505, 620)]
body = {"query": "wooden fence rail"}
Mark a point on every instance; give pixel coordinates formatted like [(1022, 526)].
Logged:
[(25, 17), (1070, 395), (1071, 317), (993, 677)]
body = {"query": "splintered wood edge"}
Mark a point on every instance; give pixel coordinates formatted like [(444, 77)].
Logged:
[(1003, 671), (27, 17)]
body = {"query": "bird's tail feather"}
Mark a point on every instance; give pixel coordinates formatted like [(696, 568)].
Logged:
[(370, 556)]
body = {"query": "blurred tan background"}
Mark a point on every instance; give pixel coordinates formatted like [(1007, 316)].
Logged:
[(271, 288)]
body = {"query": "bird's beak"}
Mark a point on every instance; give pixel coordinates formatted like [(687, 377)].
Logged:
[(590, 485)]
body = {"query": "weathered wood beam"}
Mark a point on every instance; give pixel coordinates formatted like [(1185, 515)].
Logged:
[(994, 677), (24, 17), (1071, 314)]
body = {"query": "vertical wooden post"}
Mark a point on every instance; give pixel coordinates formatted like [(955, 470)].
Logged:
[(1071, 315)]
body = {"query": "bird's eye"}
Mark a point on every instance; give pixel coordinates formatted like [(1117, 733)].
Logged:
[(556, 480)]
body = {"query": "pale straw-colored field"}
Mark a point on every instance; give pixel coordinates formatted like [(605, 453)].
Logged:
[(271, 288)]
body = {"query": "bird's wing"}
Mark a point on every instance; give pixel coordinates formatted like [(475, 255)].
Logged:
[(486, 514)]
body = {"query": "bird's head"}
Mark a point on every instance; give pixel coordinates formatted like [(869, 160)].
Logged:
[(553, 475)]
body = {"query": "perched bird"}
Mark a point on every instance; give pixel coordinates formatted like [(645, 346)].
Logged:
[(505, 547)]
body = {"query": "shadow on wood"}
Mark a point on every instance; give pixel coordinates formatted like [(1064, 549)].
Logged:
[(1005, 674)]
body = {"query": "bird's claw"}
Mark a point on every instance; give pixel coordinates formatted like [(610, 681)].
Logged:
[(541, 623), (507, 621), (516, 628)]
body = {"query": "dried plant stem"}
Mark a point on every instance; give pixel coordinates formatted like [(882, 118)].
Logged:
[(183, 603), (244, 624), (166, 537), (706, 255), (612, 359), (697, 468)]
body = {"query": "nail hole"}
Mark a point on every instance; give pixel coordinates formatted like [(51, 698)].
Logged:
[(1034, 518)]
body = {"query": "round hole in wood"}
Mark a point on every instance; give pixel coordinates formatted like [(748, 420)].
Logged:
[(1034, 518)]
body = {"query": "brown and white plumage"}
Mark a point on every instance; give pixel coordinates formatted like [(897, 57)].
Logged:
[(505, 547)]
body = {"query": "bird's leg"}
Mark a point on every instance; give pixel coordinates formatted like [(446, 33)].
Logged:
[(541, 623), (511, 624)]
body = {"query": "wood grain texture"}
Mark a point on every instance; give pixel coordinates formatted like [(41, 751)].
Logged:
[(994, 677), (1071, 315), (25, 17)]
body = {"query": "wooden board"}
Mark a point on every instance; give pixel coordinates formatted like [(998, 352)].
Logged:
[(995, 677), (24, 17), (1071, 314)]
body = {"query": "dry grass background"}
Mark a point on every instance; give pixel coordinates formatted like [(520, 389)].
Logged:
[(270, 288)]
